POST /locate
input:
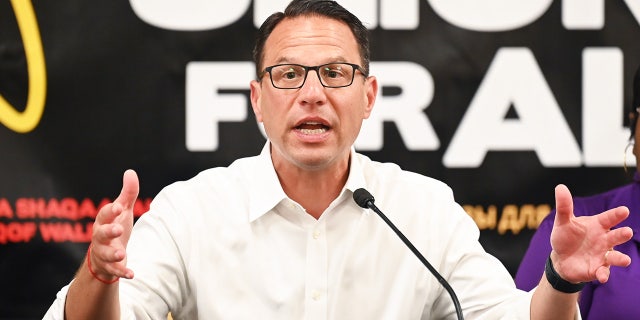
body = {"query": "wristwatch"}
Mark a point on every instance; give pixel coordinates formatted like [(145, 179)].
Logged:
[(557, 282)]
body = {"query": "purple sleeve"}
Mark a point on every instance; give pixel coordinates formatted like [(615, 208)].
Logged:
[(532, 265)]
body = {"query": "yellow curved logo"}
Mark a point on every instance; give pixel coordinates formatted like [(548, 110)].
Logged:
[(28, 119)]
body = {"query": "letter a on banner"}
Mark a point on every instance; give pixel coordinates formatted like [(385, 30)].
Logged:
[(514, 80)]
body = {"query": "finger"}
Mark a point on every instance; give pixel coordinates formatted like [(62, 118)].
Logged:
[(120, 271), (108, 213), (106, 253), (109, 261), (617, 258), (130, 188), (619, 236), (564, 205), (117, 269), (602, 274), (126, 199), (104, 233), (612, 217)]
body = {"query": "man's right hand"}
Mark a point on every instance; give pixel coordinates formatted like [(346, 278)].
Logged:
[(111, 232), (94, 293)]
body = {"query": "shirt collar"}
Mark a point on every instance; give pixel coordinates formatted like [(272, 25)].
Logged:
[(356, 177), (266, 191)]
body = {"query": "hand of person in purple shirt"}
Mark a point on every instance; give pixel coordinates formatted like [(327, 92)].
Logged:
[(576, 240)]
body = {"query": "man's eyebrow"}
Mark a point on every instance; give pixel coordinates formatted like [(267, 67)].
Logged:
[(286, 59), (283, 60)]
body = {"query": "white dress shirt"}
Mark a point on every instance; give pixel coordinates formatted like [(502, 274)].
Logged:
[(229, 244)]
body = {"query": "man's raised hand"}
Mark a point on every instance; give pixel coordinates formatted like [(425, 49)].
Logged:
[(111, 232)]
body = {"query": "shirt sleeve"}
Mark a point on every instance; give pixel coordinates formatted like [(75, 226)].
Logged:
[(160, 282), (487, 289), (56, 310), (484, 287)]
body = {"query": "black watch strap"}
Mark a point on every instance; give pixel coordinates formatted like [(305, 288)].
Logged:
[(557, 282)]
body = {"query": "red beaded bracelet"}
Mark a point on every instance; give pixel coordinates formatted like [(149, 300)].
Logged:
[(94, 274)]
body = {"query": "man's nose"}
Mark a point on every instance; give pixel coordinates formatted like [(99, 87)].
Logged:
[(312, 90), (314, 77)]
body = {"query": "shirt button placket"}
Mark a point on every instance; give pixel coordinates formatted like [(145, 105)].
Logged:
[(317, 266)]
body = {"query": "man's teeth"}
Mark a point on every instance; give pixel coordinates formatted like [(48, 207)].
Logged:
[(312, 127), (313, 131)]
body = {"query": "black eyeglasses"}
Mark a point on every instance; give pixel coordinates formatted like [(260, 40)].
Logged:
[(331, 75)]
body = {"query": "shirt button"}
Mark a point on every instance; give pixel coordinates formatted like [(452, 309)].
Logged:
[(316, 295), (316, 234)]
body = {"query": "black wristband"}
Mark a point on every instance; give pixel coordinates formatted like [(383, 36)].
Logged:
[(557, 282)]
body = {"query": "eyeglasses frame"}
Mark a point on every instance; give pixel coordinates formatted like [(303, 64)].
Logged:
[(316, 69)]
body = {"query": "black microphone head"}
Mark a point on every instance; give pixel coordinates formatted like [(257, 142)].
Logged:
[(362, 197)]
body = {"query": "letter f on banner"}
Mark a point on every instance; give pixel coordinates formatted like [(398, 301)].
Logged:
[(28, 119)]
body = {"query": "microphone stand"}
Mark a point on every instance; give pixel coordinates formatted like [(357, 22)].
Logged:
[(364, 199)]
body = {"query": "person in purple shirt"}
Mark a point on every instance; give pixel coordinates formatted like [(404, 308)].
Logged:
[(618, 297)]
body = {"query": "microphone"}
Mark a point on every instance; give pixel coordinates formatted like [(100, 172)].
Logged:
[(364, 199)]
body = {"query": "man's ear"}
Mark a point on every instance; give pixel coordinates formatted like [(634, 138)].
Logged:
[(371, 94), (256, 92)]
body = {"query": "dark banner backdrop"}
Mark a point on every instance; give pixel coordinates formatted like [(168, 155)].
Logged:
[(500, 100)]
